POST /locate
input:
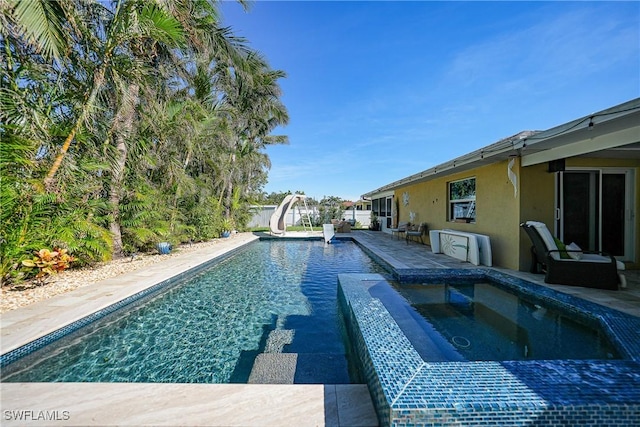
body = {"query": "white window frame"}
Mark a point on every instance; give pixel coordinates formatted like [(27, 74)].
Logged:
[(464, 208)]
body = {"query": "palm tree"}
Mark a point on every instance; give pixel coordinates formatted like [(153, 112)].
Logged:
[(253, 96), (131, 22), (123, 125), (155, 102), (203, 39)]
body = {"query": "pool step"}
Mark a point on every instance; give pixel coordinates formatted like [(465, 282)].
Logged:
[(277, 339), (274, 368), (300, 368)]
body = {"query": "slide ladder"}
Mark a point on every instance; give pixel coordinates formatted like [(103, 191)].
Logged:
[(305, 218), (472, 209)]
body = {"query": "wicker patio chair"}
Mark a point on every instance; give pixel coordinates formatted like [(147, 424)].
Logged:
[(579, 268)]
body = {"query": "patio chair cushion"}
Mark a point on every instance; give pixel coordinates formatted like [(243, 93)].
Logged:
[(547, 237), (596, 258), (574, 251)]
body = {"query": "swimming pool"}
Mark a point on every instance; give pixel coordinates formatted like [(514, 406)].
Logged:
[(273, 297), (408, 390)]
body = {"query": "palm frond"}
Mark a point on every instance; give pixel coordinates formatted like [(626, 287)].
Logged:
[(161, 25), (40, 22)]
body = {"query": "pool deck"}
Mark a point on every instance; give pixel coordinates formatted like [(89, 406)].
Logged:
[(214, 404)]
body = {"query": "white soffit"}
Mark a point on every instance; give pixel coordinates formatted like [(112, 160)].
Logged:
[(597, 143), (378, 194)]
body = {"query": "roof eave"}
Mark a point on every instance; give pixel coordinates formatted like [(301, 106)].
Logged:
[(484, 156), (531, 141)]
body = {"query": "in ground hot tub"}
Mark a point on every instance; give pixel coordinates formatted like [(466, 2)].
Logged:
[(418, 375)]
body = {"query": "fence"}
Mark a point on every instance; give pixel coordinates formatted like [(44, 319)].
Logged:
[(262, 215)]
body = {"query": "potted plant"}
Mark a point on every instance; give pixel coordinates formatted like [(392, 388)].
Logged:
[(164, 248), (227, 226), (375, 223)]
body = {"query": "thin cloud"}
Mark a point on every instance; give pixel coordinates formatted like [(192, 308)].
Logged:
[(565, 46)]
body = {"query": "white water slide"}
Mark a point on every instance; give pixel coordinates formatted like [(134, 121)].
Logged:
[(277, 223)]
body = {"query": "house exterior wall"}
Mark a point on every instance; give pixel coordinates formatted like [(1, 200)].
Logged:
[(538, 198), (498, 213), (497, 210), (536, 204)]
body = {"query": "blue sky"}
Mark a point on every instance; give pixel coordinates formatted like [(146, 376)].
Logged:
[(377, 91)]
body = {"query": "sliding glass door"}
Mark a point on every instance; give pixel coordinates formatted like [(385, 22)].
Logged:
[(595, 210)]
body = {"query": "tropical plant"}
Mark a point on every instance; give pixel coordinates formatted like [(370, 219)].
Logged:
[(125, 123), (37, 23), (330, 207), (375, 222), (49, 262)]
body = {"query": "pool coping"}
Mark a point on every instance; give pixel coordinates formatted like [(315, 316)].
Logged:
[(409, 391)]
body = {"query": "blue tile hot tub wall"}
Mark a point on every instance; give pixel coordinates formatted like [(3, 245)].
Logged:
[(407, 391)]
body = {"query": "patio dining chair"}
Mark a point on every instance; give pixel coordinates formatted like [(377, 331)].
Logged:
[(571, 266), (416, 231), (401, 228), (343, 227)]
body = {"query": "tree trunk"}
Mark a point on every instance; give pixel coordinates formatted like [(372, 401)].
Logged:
[(89, 99), (227, 207), (123, 124), (98, 80)]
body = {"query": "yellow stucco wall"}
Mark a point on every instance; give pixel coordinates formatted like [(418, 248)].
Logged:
[(498, 212), (496, 209), (536, 204)]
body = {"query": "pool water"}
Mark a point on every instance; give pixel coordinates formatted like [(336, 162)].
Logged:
[(484, 322), (272, 297)]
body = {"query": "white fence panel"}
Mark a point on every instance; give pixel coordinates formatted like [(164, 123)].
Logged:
[(262, 215)]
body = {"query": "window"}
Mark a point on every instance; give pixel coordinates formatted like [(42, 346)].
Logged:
[(388, 213), (462, 200), (376, 207)]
